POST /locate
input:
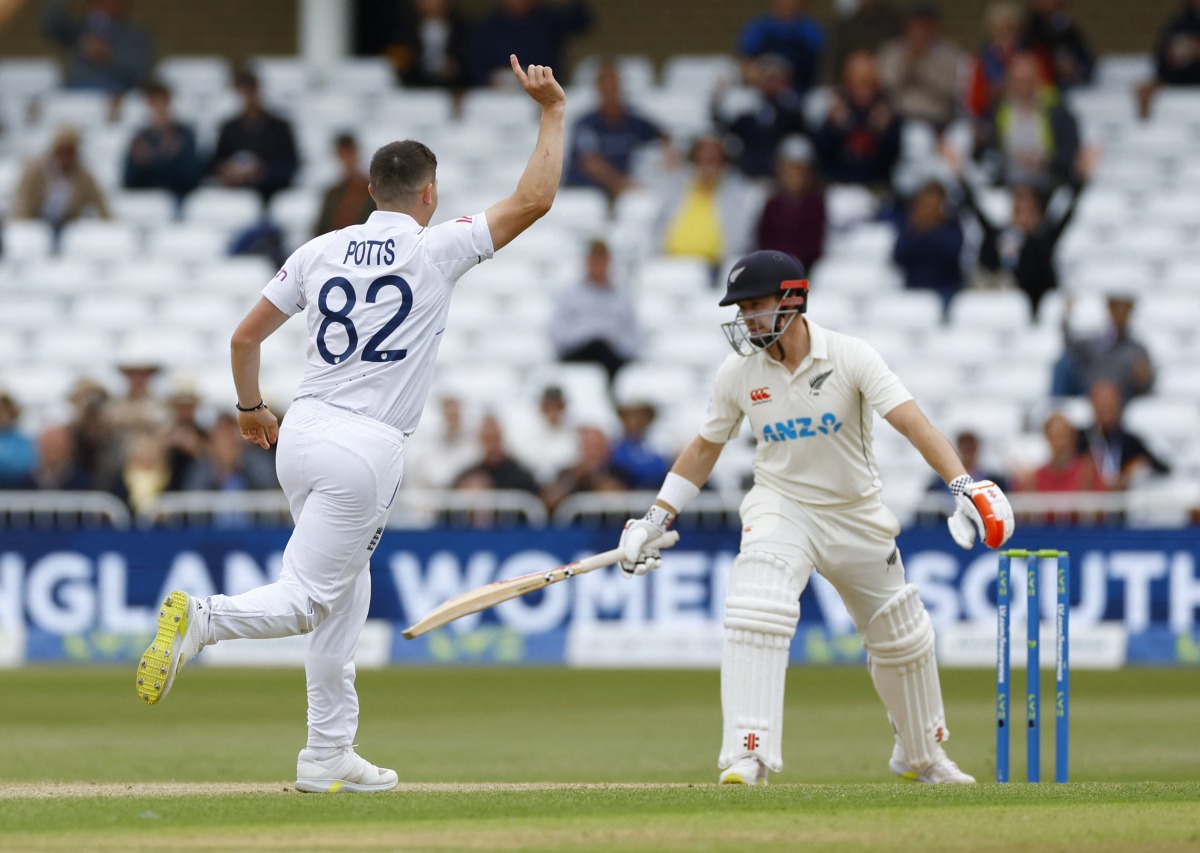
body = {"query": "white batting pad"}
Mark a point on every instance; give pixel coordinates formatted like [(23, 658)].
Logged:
[(761, 612), (899, 642)]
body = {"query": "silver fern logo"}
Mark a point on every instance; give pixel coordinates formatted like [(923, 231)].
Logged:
[(817, 381)]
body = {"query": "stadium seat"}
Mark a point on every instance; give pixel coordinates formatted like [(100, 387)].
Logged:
[(240, 277), (853, 276), (497, 109), (282, 79), (1178, 382), (918, 311), (24, 313), (696, 75), (144, 208), (61, 276), (40, 386), (1174, 210), (406, 110), (363, 75), (1004, 311), (82, 108), (1121, 72), (867, 240), (27, 240), (579, 211), (1169, 424), (227, 210), (187, 242), (209, 313), (195, 75), (28, 78), (111, 312), (72, 346), (849, 206), (96, 240), (1105, 207), (675, 276), (1181, 276), (636, 72), (149, 277)]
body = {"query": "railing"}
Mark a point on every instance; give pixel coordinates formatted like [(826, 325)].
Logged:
[(1170, 506)]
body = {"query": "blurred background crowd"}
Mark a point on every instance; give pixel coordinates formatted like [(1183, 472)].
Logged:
[(1010, 221)]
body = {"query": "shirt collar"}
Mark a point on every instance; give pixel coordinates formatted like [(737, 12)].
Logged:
[(393, 217)]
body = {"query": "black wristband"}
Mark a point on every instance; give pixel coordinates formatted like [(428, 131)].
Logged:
[(261, 405)]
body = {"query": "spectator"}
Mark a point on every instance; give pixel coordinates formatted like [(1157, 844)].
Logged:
[(58, 188), (594, 320), (1022, 252), (104, 50), (17, 451), (140, 409), (186, 438), (546, 441), (347, 202), (1066, 471), (778, 113), (429, 48), (145, 471), (788, 31), (592, 471), (496, 469), (634, 459), (1113, 355), (1030, 137), (793, 218), (968, 444), (989, 70), (869, 27), (163, 154), (1121, 457), (57, 468), (920, 71), (228, 465), (1176, 55), (606, 139), (859, 141), (929, 244), (708, 210), (1052, 36), (255, 148), (94, 444), (535, 31), (432, 458)]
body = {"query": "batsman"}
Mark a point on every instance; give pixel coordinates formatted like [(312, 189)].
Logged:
[(816, 505)]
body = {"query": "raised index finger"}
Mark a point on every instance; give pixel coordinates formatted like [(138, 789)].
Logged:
[(516, 67)]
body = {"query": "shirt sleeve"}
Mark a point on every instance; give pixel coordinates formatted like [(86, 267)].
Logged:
[(286, 290), (881, 387), (724, 413), (454, 247)]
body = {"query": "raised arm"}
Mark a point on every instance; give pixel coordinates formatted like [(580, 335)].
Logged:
[(538, 184)]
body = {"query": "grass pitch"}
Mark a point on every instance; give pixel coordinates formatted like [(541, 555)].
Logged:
[(552, 759)]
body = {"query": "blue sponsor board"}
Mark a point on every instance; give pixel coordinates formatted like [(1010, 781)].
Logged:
[(91, 595)]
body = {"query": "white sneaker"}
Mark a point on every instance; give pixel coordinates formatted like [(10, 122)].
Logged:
[(941, 772), (745, 771), (176, 642), (345, 773)]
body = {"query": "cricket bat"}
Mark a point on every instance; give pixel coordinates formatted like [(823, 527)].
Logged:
[(483, 597)]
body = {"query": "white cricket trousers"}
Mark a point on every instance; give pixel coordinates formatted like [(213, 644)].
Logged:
[(340, 472)]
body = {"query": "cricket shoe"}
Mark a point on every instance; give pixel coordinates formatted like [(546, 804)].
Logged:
[(745, 771), (176, 642), (345, 773), (941, 772)]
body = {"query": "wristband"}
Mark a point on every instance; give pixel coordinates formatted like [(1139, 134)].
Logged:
[(261, 405), (959, 484), (677, 492)]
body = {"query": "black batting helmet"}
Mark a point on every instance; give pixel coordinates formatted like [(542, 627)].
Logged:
[(767, 273)]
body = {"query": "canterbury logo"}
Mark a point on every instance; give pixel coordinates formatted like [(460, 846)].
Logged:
[(760, 395), (817, 381)]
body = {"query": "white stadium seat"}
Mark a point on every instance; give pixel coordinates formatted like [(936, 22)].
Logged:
[(635, 71), (111, 312), (27, 239), (60, 276), (406, 110), (147, 208), (229, 210), (26, 78), (1166, 424), (1121, 72), (71, 346), (853, 276), (195, 75), (187, 242), (674, 276), (697, 75), (82, 108), (96, 240), (581, 211), (40, 385), (1004, 311), (29, 313), (282, 79), (240, 277), (362, 75), (918, 311), (204, 313)]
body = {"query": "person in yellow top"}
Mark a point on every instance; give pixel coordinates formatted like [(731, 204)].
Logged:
[(710, 209)]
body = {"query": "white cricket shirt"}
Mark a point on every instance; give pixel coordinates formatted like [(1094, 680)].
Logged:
[(812, 427), (378, 295)]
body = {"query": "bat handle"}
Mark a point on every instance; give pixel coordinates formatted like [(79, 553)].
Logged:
[(665, 541)]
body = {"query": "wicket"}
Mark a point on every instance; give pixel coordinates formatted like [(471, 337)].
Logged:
[(1062, 686)]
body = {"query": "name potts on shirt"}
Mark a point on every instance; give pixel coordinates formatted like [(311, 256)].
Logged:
[(370, 252)]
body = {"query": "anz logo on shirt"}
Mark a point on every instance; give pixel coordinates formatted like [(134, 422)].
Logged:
[(794, 428)]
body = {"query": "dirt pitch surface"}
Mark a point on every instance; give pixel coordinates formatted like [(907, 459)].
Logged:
[(67, 790)]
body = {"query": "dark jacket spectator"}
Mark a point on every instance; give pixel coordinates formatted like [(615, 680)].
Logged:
[(57, 468), (920, 71), (604, 141), (17, 450), (429, 46), (1120, 456), (634, 459), (793, 218), (58, 188), (163, 154), (535, 31), (859, 142), (594, 320), (778, 113), (256, 148), (989, 69), (788, 31), (967, 444), (929, 244), (1177, 53), (104, 50), (229, 463), (869, 27), (592, 471), (1054, 37), (1030, 137), (496, 469), (347, 202), (1113, 355)]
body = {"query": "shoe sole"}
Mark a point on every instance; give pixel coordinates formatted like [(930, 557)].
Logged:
[(908, 774), (339, 786), (738, 779), (162, 658)]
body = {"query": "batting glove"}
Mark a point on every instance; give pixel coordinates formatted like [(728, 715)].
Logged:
[(638, 531), (983, 508)]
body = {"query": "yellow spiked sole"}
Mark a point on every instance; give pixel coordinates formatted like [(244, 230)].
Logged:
[(157, 669)]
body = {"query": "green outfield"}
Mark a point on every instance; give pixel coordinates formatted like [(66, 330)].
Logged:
[(553, 759)]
